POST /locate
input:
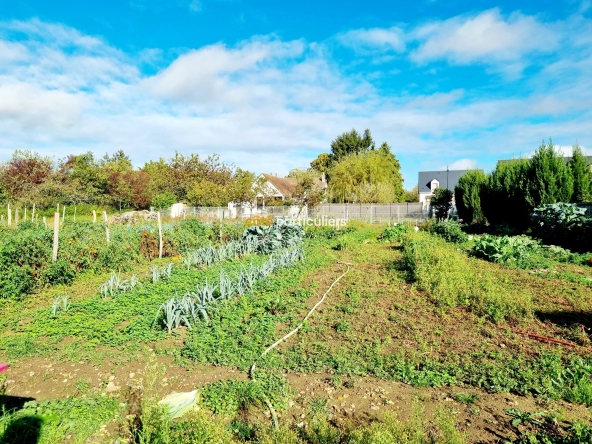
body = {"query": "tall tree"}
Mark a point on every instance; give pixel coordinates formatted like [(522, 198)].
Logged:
[(582, 176), (549, 179), (350, 143), (371, 177), (441, 202), (503, 196), (24, 174), (467, 194)]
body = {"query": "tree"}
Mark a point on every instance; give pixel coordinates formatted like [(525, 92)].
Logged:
[(467, 194), (582, 176), (411, 195), (307, 193), (129, 188), (322, 163), (549, 180), (88, 180), (371, 177), (24, 174), (350, 143), (441, 203), (503, 196)]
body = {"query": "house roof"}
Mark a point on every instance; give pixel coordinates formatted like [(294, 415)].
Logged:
[(447, 179), (287, 185)]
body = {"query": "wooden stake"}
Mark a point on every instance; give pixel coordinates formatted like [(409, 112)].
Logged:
[(74, 213), (94, 217), (56, 232), (159, 235), (25, 217), (44, 222), (63, 214), (106, 226), (33, 214), (9, 216)]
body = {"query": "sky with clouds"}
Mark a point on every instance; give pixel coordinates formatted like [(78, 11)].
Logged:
[(267, 85)]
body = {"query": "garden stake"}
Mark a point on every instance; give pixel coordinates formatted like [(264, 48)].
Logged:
[(279, 341)]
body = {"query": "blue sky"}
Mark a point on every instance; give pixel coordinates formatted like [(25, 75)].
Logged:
[(267, 85)]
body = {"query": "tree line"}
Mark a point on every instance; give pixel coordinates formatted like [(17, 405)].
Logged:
[(29, 178), (356, 171), (509, 194)]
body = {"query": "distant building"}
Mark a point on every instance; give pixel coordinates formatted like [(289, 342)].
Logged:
[(429, 181), (282, 188)]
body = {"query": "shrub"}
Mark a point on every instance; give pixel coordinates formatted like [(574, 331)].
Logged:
[(394, 232), (450, 231), (563, 224), (441, 202)]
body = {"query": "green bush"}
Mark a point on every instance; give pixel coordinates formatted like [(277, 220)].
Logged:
[(512, 251), (563, 224), (394, 232), (450, 231)]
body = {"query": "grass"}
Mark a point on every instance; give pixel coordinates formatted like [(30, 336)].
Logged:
[(420, 311)]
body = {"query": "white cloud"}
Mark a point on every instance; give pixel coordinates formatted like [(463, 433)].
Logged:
[(487, 37), (265, 104), (461, 164), (195, 6), (374, 40)]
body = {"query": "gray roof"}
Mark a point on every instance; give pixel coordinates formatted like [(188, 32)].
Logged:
[(447, 179)]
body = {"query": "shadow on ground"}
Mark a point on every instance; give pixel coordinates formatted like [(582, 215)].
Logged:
[(21, 429)]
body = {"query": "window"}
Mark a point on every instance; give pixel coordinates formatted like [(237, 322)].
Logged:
[(434, 184)]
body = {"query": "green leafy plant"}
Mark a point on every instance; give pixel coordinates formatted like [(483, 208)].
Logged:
[(450, 231)]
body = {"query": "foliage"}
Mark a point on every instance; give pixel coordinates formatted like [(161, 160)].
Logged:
[(467, 194), (582, 176), (394, 232), (450, 279), (450, 231), (26, 252), (412, 195), (441, 202), (371, 177), (548, 180), (194, 305), (350, 143), (163, 200), (542, 428), (267, 239), (503, 199), (563, 224), (512, 251)]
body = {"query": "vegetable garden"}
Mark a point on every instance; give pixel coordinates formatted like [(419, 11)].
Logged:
[(448, 334)]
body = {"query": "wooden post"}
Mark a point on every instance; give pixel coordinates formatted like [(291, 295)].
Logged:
[(63, 214), (44, 222), (25, 216), (56, 232), (94, 217), (159, 235), (106, 226), (74, 213), (33, 214), (9, 216)]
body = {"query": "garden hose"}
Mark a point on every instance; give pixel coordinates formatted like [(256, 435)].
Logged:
[(282, 339)]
